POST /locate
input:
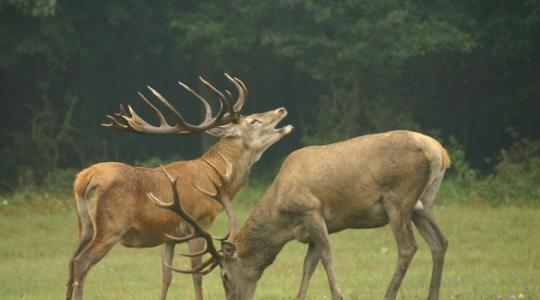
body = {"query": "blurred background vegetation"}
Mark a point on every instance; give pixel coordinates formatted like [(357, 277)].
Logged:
[(466, 72)]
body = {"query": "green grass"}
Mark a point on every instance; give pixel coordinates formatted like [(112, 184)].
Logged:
[(493, 251)]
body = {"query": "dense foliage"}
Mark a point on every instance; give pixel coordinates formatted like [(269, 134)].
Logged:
[(462, 69)]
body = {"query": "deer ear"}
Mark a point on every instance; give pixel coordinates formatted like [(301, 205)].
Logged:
[(229, 249), (225, 130), (216, 131)]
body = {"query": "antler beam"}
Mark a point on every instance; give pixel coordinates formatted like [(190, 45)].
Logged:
[(130, 121)]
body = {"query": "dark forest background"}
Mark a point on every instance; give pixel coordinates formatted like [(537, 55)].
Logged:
[(466, 72)]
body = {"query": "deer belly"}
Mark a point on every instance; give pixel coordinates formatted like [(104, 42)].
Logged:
[(372, 218), (358, 217), (149, 237), (135, 238)]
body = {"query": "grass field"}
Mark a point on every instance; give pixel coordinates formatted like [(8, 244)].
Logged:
[(492, 252)]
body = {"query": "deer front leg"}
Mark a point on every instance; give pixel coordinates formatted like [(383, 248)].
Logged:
[(316, 227), (196, 245), (310, 263), (167, 253), (402, 230)]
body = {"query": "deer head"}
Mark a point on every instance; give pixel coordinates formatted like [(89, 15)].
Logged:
[(256, 132), (239, 276)]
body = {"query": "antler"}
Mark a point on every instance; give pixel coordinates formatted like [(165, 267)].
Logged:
[(242, 94), (198, 232), (132, 122), (224, 199)]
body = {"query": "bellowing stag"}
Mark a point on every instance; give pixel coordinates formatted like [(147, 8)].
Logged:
[(110, 197)]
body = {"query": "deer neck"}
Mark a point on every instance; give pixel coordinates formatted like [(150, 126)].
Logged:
[(263, 235), (235, 153)]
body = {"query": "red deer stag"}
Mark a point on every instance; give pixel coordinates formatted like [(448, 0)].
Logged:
[(365, 182), (110, 197)]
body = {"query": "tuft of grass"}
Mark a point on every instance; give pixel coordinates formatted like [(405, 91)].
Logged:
[(492, 252)]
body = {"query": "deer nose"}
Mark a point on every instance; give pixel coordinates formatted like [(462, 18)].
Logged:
[(282, 110)]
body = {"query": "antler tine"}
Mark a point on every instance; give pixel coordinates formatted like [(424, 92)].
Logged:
[(202, 269), (198, 231), (225, 201), (114, 123), (195, 254), (242, 93), (221, 97), (228, 170), (222, 198), (208, 269), (231, 216), (229, 95), (207, 107), (242, 84), (158, 202), (225, 178), (240, 105), (179, 118), (223, 106), (162, 121), (181, 239), (136, 122), (226, 237), (196, 269), (138, 125), (121, 110)]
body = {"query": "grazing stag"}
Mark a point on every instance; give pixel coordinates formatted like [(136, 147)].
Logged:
[(366, 182), (110, 197)]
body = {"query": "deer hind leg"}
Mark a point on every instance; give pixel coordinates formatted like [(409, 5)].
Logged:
[(310, 263), (89, 256), (430, 231), (195, 246), (84, 240), (316, 227), (400, 222), (86, 232), (167, 253)]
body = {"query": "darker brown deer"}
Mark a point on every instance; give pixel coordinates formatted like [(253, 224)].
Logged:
[(111, 201), (366, 182)]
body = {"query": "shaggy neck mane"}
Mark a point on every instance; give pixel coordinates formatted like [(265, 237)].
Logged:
[(238, 155)]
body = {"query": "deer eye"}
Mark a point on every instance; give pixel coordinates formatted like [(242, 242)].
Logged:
[(253, 121), (225, 276)]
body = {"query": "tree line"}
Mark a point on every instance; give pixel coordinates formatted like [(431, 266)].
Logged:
[(463, 71)]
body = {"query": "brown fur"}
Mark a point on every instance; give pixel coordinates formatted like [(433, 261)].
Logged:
[(446, 159), (81, 182)]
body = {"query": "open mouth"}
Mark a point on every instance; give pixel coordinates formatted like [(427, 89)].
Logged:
[(285, 129)]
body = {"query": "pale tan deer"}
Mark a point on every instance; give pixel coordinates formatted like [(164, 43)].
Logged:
[(366, 182), (110, 197)]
